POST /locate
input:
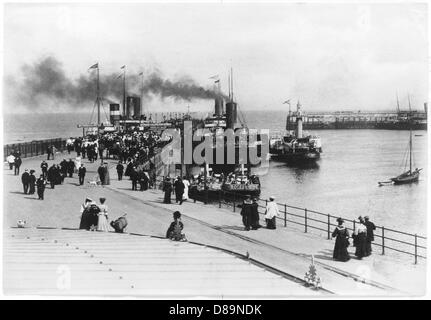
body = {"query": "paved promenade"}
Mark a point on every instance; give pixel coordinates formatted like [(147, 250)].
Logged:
[(287, 249)]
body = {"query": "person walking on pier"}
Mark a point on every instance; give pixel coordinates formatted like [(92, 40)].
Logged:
[(246, 213), (40, 183), (70, 168), (271, 213), (89, 215), (81, 174), (107, 178), (11, 161), (25, 179), (32, 182), (120, 170), (102, 222), (134, 176), (360, 239), (101, 172), (44, 168), (51, 175), (341, 242), (179, 190), (17, 164), (167, 188), (49, 152), (370, 235)]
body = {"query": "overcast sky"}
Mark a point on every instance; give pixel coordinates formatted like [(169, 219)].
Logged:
[(330, 56)]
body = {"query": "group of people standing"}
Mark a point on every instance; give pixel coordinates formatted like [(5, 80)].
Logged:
[(30, 183), (181, 188), (362, 236), (94, 216), (250, 214), (14, 160)]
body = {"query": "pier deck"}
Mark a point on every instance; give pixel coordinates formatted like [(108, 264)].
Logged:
[(285, 249)]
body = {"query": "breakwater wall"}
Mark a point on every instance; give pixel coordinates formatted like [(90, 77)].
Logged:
[(34, 148)]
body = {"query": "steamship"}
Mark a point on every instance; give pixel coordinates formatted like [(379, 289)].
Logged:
[(295, 147), (230, 178)]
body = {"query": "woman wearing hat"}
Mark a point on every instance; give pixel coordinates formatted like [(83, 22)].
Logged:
[(360, 239), (102, 221), (271, 213), (341, 242), (32, 182)]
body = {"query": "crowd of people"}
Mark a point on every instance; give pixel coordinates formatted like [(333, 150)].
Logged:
[(363, 236)]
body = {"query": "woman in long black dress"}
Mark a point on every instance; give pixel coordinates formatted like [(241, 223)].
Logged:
[(341, 242), (360, 239)]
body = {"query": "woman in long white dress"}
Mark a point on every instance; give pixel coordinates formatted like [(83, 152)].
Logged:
[(186, 188), (102, 224)]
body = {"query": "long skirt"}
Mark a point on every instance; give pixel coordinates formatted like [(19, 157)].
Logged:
[(340, 249), (102, 224), (361, 245), (270, 223)]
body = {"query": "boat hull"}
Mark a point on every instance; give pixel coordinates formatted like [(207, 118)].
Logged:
[(406, 178)]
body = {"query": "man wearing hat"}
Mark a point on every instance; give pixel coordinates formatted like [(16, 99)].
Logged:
[(25, 179), (40, 183), (370, 235)]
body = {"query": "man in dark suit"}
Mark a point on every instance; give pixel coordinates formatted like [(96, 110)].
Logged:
[(70, 168), (81, 173), (44, 168), (120, 170), (40, 183), (25, 179), (179, 190), (134, 176), (101, 172), (18, 163)]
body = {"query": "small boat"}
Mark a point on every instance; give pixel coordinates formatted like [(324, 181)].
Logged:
[(408, 176)]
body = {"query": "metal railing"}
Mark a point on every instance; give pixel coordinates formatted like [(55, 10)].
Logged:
[(34, 148), (311, 220)]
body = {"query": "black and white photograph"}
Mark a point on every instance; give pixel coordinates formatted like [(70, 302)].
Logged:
[(215, 150)]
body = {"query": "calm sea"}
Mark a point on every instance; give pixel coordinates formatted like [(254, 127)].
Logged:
[(344, 181)]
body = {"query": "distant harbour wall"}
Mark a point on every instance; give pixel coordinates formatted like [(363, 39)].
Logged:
[(34, 148), (339, 120)]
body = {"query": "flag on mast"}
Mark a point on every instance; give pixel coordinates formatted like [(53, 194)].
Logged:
[(94, 66)]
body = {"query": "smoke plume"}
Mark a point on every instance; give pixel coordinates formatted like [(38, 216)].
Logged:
[(46, 81)]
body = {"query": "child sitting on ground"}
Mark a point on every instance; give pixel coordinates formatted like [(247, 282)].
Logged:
[(175, 229)]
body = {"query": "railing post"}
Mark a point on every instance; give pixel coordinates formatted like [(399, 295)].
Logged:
[(329, 226), (219, 198), (383, 240), (206, 196), (416, 249), (305, 216), (234, 201), (285, 215)]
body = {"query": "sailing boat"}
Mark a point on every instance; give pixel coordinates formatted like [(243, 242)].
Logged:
[(408, 176)]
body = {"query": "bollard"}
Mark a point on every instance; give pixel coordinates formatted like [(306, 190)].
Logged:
[(285, 215), (383, 240), (416, 249), (305, 216), (329, 227)]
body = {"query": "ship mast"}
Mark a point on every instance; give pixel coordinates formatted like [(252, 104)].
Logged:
[(410, 126)]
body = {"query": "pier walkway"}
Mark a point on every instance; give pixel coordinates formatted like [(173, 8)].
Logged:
[(286, 248), (72, 262)]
